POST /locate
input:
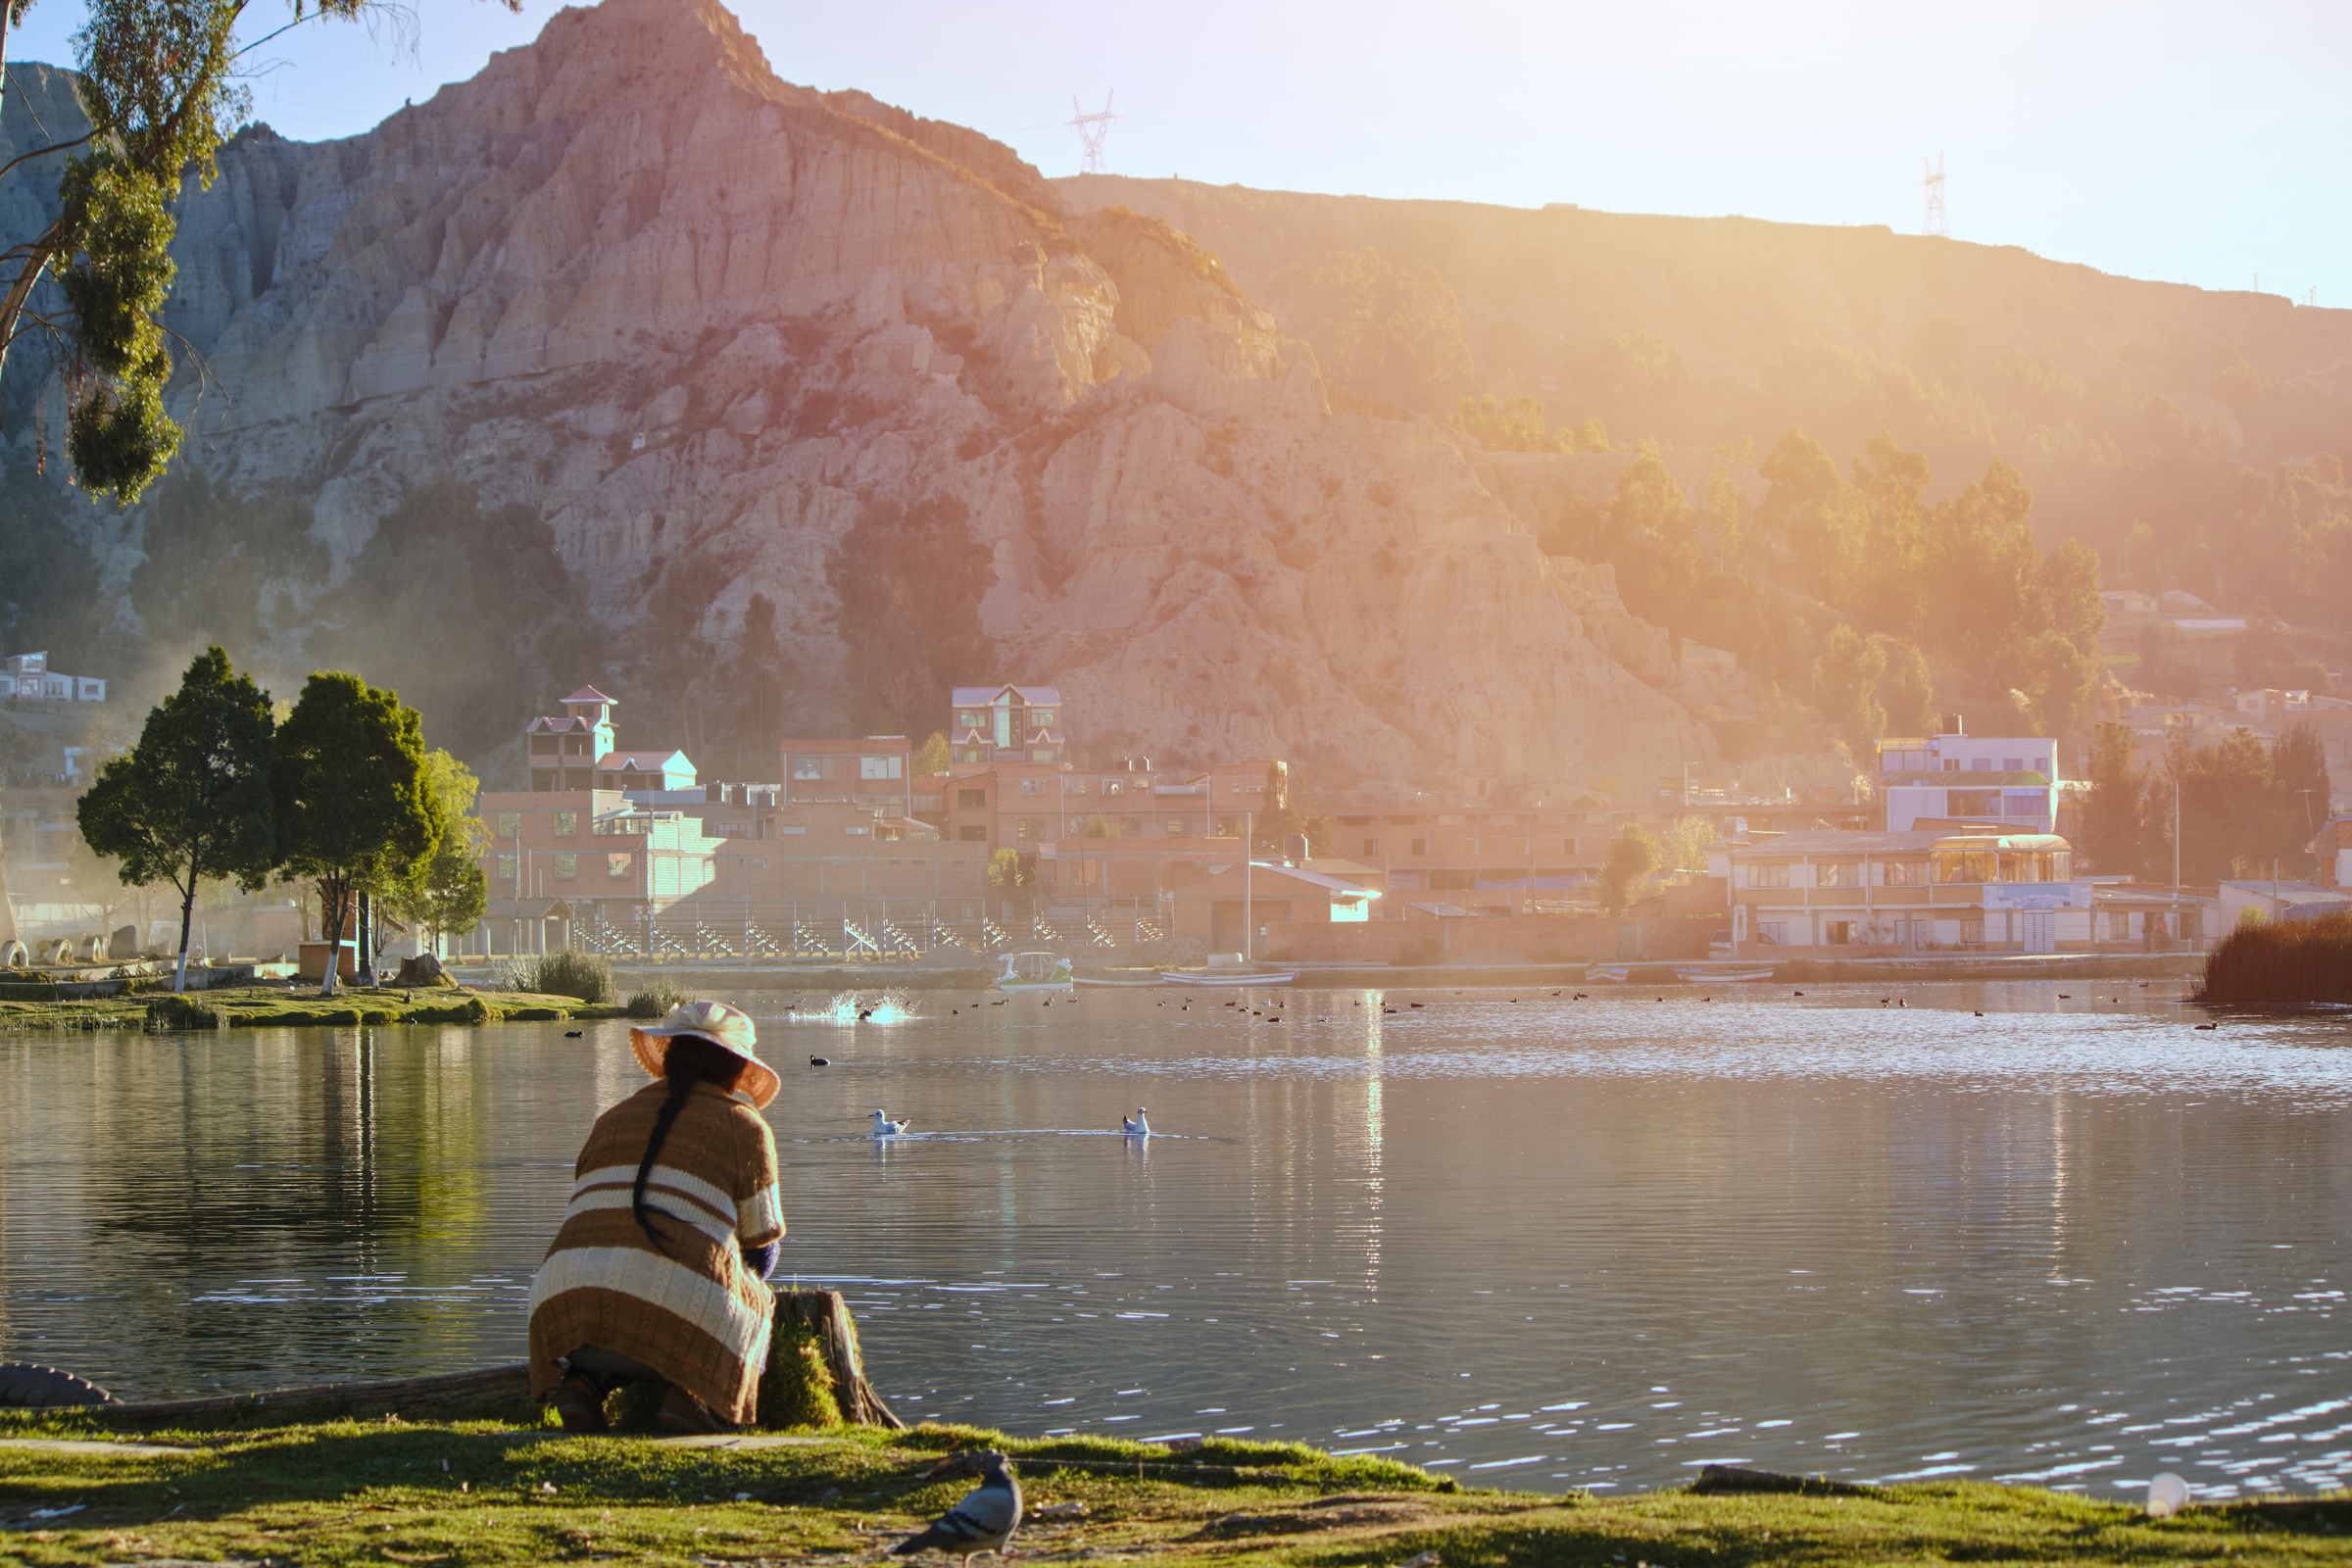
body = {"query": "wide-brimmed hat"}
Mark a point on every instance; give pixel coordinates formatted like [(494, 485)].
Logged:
[(730, 1029)]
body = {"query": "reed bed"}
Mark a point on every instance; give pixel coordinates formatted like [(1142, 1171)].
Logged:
[(2289, 964)]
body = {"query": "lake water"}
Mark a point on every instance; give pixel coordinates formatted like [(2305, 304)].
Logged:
[(1531, 1241)]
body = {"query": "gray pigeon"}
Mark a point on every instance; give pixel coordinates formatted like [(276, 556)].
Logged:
[(986, 1518)]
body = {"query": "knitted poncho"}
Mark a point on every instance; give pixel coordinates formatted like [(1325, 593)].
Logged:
[(698, 1316)]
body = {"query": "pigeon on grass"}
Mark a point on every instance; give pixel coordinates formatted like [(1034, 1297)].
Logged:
[(986, 1518)]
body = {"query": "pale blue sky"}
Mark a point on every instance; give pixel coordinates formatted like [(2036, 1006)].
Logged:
[(2206, 144)]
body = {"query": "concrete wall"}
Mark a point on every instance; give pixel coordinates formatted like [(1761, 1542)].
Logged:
[(1543, 938)]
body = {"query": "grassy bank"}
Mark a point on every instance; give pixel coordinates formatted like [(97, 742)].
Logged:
[(281, 1007), (477, 1494), (2293, 964)]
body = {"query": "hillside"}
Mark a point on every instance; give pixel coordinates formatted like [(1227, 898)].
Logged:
[(778, 411)]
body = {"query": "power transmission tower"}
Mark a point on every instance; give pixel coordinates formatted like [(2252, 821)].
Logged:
[(1092, 128), (1937, 224)]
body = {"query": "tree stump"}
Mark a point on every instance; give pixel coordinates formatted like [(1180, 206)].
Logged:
[(827, 1317)]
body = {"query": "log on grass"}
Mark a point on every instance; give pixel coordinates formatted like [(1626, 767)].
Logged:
[(497, 1393)]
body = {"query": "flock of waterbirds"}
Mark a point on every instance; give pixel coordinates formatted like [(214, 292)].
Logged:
[(1139, 1125)]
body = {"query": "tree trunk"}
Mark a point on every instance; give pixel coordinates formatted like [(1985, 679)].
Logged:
[(366, 963), (829, 1315), (333, 905), (187, 913)]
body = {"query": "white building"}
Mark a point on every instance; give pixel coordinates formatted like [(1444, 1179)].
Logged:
[(1858, 894), (28, 675), (2011, 782)]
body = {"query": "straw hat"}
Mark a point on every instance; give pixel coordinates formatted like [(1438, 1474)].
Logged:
[(730, 1029)]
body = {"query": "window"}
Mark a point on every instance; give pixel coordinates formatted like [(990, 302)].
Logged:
[(1073, 786), (1972, 803), (971, 800), (1837, 933), (618, 864), (1775, 932), (1177, 827), (1951, 764), (972, 833), (2022, 803), (567, 866), (1041, 717), (1033, 786), (2013, 764), (1906, 873), (2041, 765), (1131, 827), (1228, 827), (509, 825), (1371, 846), (543, 745), (1768, 876), (807, 768), (880, 766), (970, 718), (506, 868), (1024, 827), (567, 824), (1980, 764), (1112, 785), (1420, 846), (1837, 874), (1966, 865)]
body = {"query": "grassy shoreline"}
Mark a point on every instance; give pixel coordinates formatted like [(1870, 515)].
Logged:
[(278, 1007), (489, 1493)]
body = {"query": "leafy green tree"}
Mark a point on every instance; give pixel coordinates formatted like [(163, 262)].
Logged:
[(1907, 689), (1098, 827), (934, 757), (192, 799), (2118, 834), (445, 590), (219, 565), (1846, 685), (1887, 586), (1723, 510), (908, 581), (1683, 844), (2242, 809), (1512, 424), (1379, 331), (2069, 594), (1810, 515), (157, 80), (1632, 855), (355, 806), (446, 892)]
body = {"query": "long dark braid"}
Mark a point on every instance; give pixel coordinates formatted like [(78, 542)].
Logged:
[(689, 1060)]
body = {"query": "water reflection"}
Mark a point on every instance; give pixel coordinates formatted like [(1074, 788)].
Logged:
[(1550, 1243)]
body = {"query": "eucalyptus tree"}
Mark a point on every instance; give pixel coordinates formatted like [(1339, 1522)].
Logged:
[(192, 799), (158, 80)]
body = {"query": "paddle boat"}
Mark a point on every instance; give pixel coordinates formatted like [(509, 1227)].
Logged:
[(1035, 971)]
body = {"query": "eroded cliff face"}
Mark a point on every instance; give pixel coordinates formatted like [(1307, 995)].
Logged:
[(684, 308)]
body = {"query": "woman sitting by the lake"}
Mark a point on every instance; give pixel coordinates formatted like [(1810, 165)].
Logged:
[(661, 1268)]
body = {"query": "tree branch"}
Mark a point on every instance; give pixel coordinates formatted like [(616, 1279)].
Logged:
[(43, 152)]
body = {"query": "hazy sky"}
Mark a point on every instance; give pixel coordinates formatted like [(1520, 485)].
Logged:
[(2207, 143)]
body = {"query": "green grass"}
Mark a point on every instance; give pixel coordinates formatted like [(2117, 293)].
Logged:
[(277, 1008), (482, 1493)]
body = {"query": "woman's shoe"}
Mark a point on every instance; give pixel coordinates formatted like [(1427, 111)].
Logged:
[(684, 1415), (579, 1399)]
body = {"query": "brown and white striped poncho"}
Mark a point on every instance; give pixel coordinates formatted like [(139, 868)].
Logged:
[(696, 1316)]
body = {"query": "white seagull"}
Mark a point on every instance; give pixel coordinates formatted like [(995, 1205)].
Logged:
[(884, 1127), (1138, 1125), (986, 1518)]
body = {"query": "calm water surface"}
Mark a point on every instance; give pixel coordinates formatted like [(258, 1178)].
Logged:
[(1538, 1242)]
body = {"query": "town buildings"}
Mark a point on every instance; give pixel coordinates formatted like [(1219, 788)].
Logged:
[(1004, 723), (28, 677)]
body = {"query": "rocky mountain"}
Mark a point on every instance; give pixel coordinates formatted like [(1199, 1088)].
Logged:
[(699, 320)]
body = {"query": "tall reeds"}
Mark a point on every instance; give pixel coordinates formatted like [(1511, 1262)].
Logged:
[(2289, 964)]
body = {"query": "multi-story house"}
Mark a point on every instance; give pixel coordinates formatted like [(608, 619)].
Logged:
[(28, 677), (1006, 724), (2007, 781), (1851, 894)]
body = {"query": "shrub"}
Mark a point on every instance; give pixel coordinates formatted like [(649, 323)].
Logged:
[(656, 999), (586, 976)]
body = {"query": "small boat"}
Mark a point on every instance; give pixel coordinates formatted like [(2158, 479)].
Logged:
[(1107, 982), (1035, 971), (1698, 976), (1613, 973), (1229, 977)]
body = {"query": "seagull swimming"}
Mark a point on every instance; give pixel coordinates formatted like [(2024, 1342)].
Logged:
[(1138, 1125), (986, 1518), (884, 1127)]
